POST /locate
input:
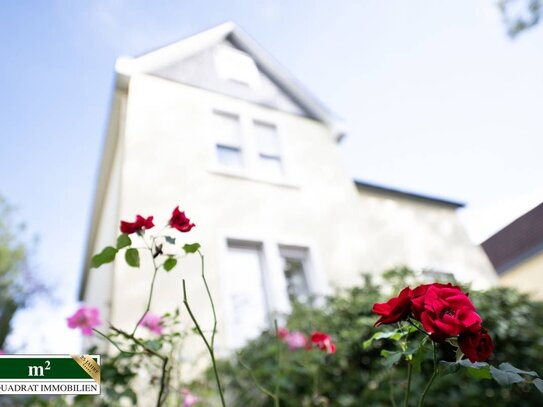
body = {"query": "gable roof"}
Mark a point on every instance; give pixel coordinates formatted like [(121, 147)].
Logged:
[(192, 45), (407, 194), (516, 242)]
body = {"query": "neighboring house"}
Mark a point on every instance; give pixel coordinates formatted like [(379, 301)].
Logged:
[(516, 252), (214, 124)]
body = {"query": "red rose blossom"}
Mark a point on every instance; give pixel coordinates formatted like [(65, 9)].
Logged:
[(395, 309), (323, 342), (180, 222), (447, 312), (477, 346), (141, 223)]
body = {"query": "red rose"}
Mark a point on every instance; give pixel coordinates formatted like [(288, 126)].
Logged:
[(419, 294), (448, 312), (477, 346), (141, 223), (180, 222), (395, 309), (323, 342)]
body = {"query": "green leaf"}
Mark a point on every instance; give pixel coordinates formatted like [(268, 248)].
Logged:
[(394, 335), (191, 248), (507, 367), (446, 368), (123, 241), (169, 239), (154, 345), (538, 383), (107, 255), (391, 358), (170, 263), (505, 378), (132, 257), (418, 357), (482, 373)]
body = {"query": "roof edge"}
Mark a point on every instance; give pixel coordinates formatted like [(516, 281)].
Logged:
[(409, 194)]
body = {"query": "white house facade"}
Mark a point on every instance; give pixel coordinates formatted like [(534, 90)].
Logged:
[(213, 124)]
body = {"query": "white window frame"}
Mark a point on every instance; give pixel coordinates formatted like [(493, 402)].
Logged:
[(250, 154), (273, 277)]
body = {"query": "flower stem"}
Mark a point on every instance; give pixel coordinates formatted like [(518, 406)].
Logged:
[(210, 300), (408, 388), (278, 344), (434, 374), (210, 349), (148, 307)]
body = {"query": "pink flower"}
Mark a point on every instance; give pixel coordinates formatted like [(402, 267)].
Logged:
[(323, 342), (85, 318), (295, 340), (282, 332), (152, 322), (189, 399), (2, 351)]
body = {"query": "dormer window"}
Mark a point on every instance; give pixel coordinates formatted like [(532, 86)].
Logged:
[(228, 140), (237, 66)]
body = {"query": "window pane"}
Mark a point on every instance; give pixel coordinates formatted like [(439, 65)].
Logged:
[(294, 267), (270, 166), (226, 129), (247, 310), (267, 140), (229, 156)]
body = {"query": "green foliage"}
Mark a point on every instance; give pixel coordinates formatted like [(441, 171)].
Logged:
[(132, 257), (123, 241), (170, 263), (105, 256), (357, 374), (18, 285), (191, 248)]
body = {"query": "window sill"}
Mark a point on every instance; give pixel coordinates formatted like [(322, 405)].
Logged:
[(225, 172)]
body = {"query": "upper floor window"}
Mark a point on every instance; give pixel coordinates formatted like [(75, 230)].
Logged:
[(228, 140), (235, 65), (295, 268), (269, 155)]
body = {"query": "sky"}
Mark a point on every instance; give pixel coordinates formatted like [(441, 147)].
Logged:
[(437, 98)]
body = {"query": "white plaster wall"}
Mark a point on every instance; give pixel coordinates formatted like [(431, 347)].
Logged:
[(169, 160)]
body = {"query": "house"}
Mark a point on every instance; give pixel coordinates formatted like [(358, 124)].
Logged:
[(214, 124), (516, 252)]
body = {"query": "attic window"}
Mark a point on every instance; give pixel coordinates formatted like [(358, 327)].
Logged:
[(235, 65)]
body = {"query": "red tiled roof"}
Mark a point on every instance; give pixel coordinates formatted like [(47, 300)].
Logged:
[(515, 241)]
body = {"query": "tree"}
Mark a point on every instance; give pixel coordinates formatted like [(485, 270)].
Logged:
[(17, 284), (520, 15)]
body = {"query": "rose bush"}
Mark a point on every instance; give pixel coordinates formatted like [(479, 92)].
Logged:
[(358, 375)]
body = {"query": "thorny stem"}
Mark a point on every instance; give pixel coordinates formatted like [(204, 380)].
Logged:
[(276, 392), (165, 373), (415, 325), (434, 374), (164, 359), (148, 307), (208, 346), (210, 300), (137, 341), (115, 343)]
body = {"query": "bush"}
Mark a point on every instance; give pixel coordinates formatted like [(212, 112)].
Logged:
[(355, 376)]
